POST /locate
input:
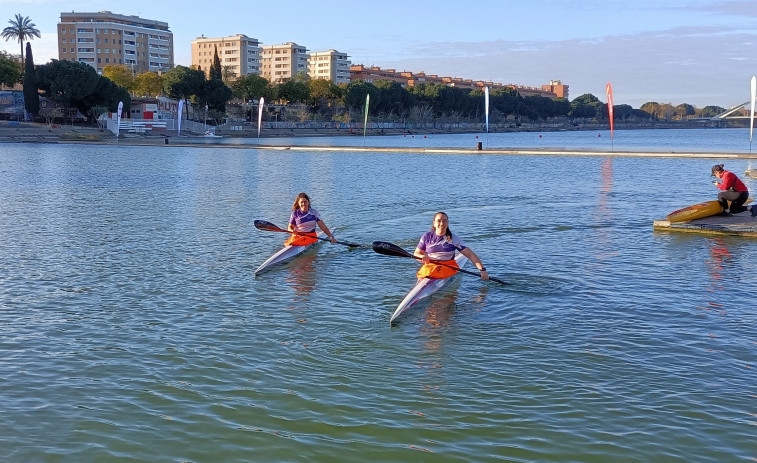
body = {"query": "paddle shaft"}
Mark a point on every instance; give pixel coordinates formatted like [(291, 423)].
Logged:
[(389, 249), (268, 226)]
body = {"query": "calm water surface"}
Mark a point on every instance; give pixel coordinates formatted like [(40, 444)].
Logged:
[(132, 327), (654, 140)]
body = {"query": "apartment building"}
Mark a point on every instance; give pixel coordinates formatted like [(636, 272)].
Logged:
[(280, 62), (331, 65), (555, 89), (240, 53), (104, 38)]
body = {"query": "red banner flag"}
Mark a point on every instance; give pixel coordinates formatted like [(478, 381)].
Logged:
[(608, 89)]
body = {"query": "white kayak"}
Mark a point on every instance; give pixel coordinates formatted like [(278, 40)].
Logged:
[(425, 287), (285, 254)]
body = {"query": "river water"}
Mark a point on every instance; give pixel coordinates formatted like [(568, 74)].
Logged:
[(652, 140), (132, 327)]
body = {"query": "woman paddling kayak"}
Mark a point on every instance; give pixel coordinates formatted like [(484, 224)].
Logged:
[(303, 221), (440, 244)]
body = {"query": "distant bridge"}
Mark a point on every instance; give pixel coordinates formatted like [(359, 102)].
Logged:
[(734, 109)]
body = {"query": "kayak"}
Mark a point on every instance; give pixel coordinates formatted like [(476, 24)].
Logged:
[(425, 287), (285, 254), (698, 211)]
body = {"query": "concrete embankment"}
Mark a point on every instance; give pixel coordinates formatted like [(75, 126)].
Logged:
[(39, 133)]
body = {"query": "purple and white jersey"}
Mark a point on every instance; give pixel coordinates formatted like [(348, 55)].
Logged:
[(438, 248), (304, 222)]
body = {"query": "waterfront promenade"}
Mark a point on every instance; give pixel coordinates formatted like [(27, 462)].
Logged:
[(26, 132)]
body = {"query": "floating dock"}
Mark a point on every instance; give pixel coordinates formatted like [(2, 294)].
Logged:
[(742, 224)]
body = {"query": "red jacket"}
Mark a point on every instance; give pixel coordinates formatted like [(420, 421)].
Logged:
[(728, 180)]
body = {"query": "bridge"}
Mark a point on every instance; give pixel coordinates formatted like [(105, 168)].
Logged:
[(729, 114)]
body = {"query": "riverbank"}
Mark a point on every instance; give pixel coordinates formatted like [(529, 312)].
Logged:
[(282, 139)]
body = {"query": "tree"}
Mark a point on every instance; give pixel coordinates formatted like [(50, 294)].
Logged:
[(182, 82), (67, 82), (31, 94), (711, 111), (683, 110), (622, 112), (394, 99), (215, 68), (21, 29), (75, 84), (252, 87), (121, 75), (10, 70), (355, 93), (586, 106), (228, 75), (215, 94), (652, 108), (324, 94), (148, 84), (294, 91)]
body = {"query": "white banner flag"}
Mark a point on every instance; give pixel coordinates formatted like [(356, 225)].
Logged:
[(118, 117), (178, 123)]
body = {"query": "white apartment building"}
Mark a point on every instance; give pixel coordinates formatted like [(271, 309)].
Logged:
[(331, 65), (281, 62), (104, 38), (240, 53)]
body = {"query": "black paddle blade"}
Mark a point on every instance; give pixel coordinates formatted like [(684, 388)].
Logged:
[(389, 249), (267, 226)]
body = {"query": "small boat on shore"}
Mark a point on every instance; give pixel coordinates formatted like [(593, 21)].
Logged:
[(285, 254), (424, 288)]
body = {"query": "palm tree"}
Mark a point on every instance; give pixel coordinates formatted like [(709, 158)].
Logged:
[(21, 28)]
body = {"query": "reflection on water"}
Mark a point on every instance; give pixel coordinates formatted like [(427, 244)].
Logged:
[(716, 263), (127, 286), (441, 308), (302, 277)]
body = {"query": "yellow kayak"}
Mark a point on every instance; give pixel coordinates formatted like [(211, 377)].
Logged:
[(698, 211)]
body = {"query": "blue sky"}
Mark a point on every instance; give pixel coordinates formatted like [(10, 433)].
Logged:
[(700, 52)]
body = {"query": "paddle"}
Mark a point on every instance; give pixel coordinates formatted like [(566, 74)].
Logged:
[(389, 249), (268, 226)]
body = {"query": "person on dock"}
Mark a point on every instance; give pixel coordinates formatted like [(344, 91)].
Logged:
[(734, 191), (440, 244), (303, 221)]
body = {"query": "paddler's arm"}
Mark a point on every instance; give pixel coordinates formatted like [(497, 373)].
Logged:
[(325, 229), (476, 261), (422, 254)]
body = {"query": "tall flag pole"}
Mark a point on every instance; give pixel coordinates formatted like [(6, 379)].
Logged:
[(751, 123), (486, 107), (365, 120), (260, 116), (608, 89)]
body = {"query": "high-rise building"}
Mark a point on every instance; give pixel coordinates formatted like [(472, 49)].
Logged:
[(241, 53), (331, 65), (281, 62), (104, 38)]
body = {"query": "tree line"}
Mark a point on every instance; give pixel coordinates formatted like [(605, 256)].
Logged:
[(77, 85)]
